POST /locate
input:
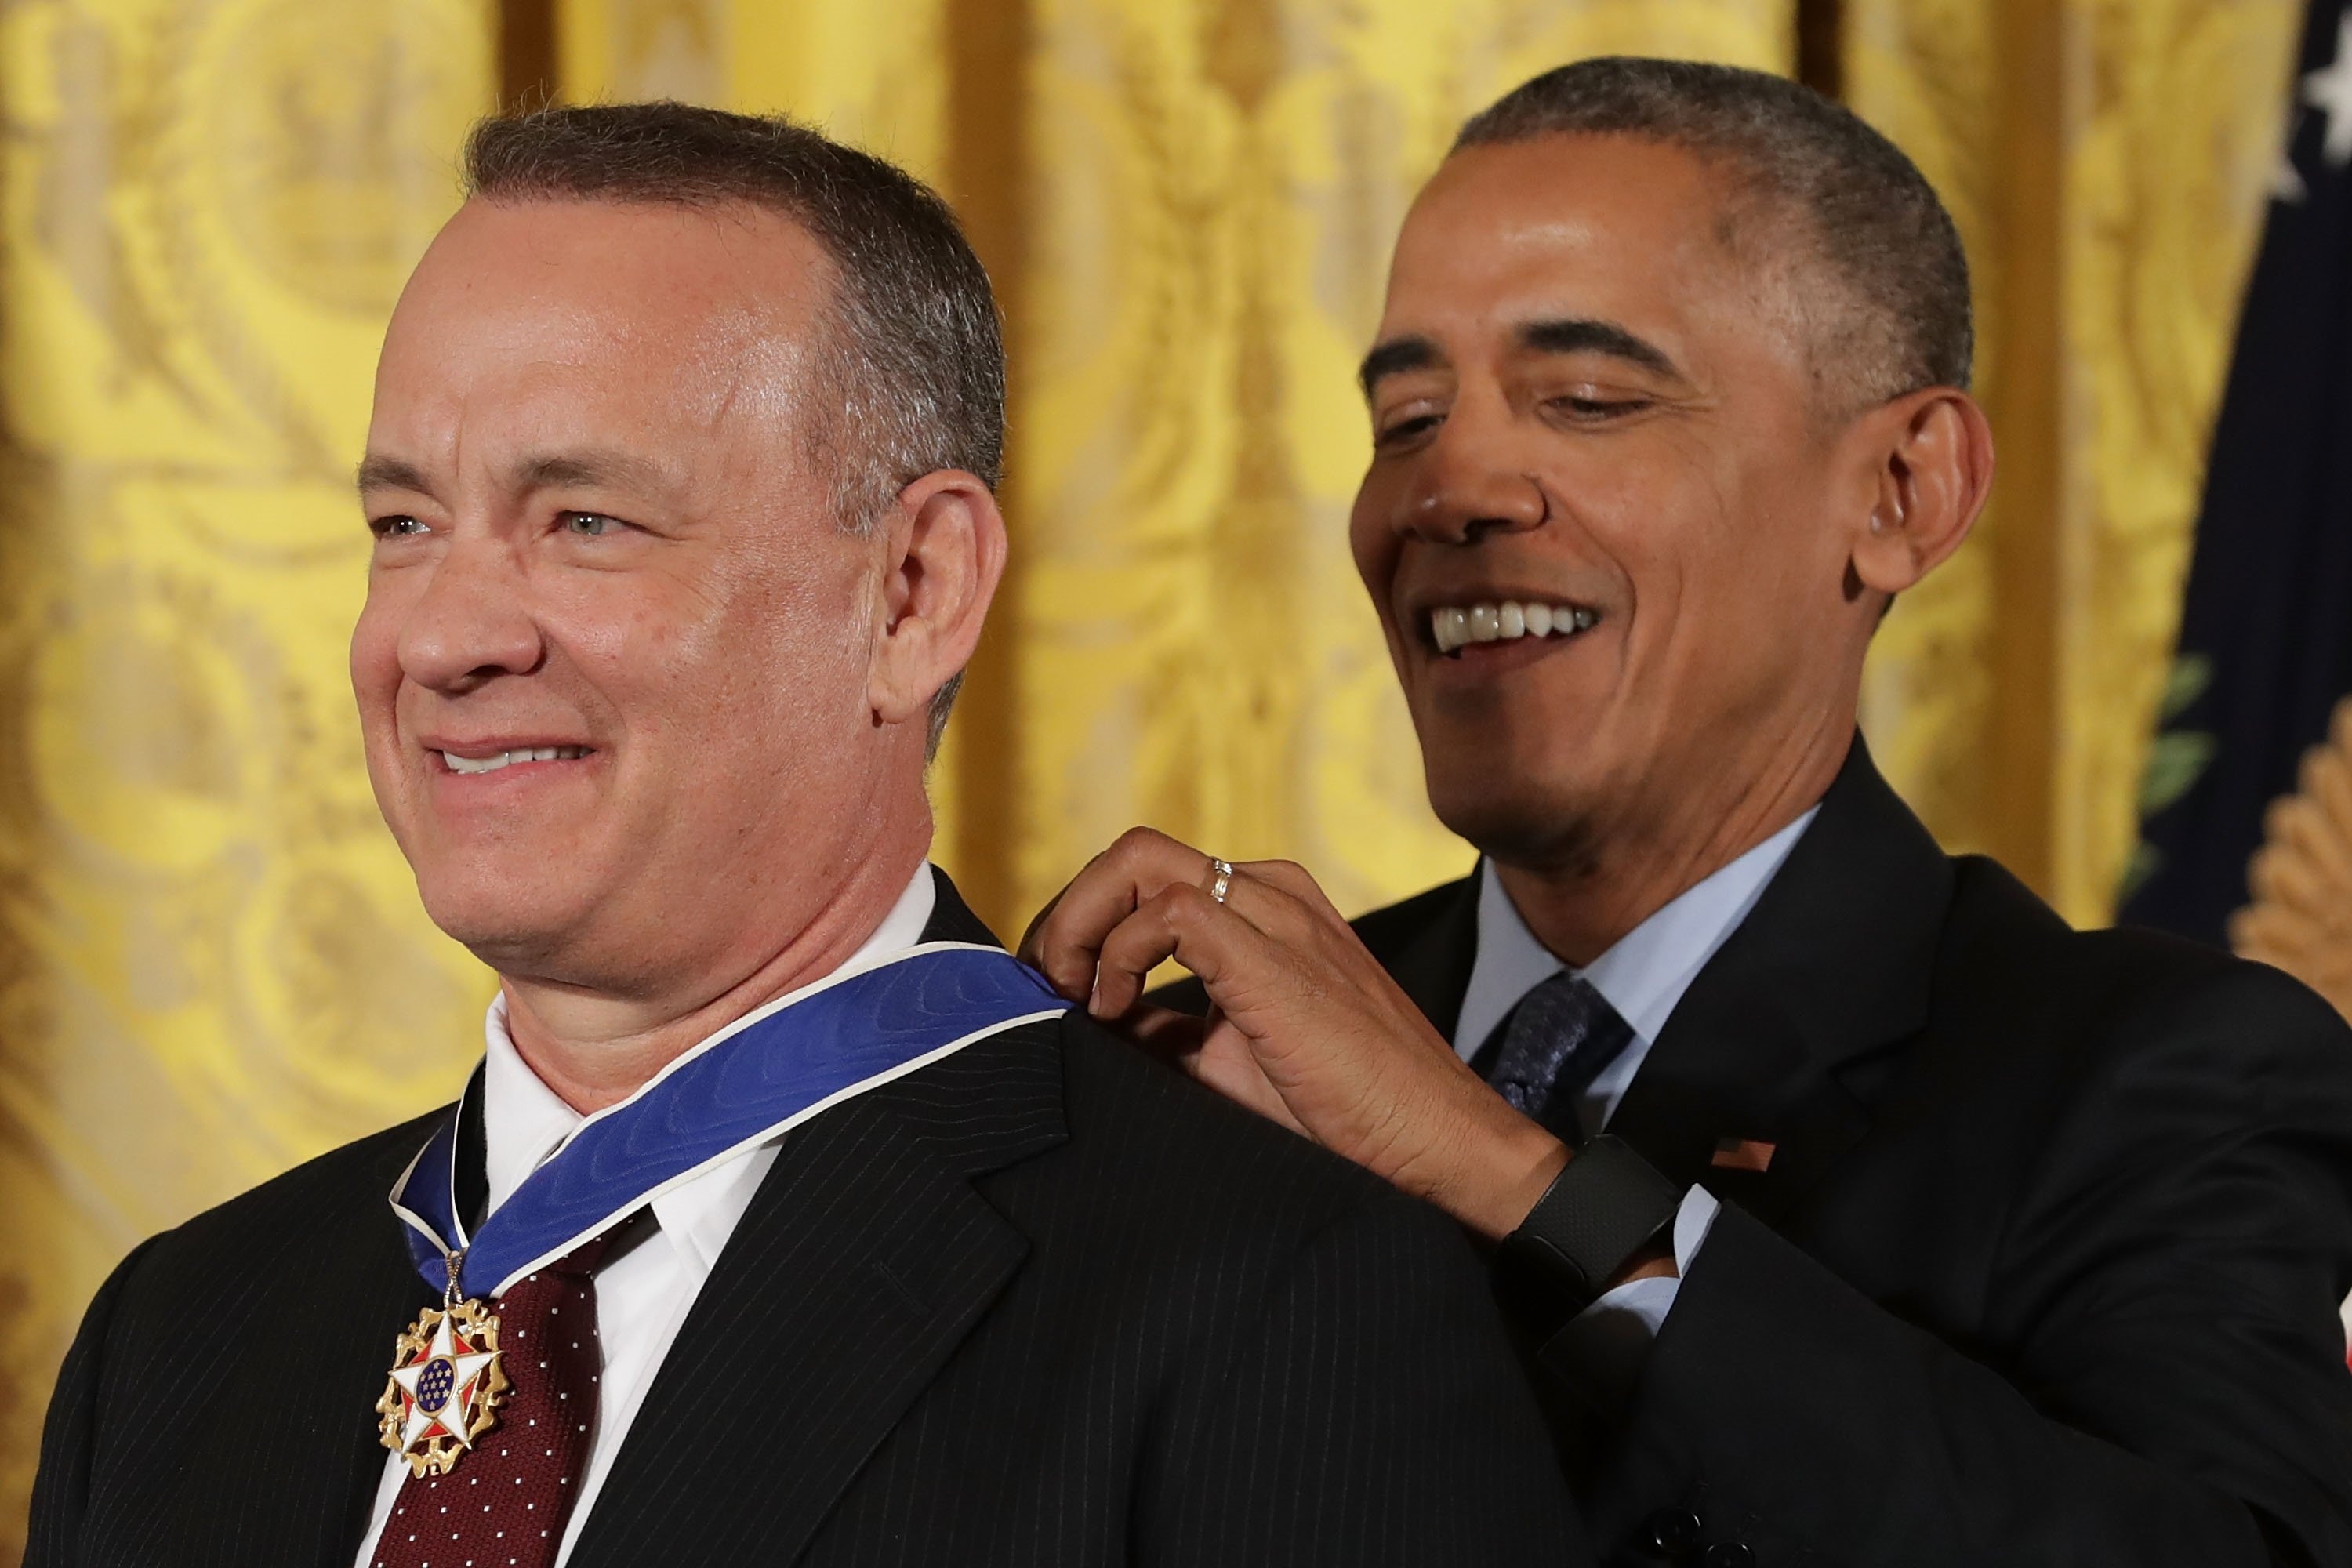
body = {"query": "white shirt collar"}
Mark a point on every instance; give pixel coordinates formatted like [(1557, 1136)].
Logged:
[(524, 1121), (1645, 973)]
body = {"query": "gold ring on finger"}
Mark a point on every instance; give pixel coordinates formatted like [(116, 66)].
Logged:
[(1220, 878)]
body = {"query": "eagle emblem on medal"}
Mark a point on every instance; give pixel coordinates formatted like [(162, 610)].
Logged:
[(445, 1386)]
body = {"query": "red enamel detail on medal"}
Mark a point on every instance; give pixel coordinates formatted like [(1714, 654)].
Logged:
[(445, 1388)]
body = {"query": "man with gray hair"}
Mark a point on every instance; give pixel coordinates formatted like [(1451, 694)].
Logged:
[(787, 1219), (1852, 1209)]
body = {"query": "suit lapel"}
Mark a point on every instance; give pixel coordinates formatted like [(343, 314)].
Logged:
[(295, 1461), (1742, 1087), (1776, 1040), (865, 1258), (351, 1353)]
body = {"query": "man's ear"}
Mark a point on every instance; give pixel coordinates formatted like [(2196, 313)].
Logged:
[(943, 546), (1932, 461)]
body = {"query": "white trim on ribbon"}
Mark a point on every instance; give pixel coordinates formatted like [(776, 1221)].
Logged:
[(743, 1146)]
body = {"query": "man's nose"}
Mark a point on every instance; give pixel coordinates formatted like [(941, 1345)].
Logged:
[(1469, 488), (472, 622)]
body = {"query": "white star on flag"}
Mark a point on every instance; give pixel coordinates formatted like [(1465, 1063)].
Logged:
[(2329, 90), (466, 1367)]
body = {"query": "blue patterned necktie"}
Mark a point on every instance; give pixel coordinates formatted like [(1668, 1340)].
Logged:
[(1561, 1036)]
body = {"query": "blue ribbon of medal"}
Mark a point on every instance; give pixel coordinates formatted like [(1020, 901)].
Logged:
[(761, 1075)]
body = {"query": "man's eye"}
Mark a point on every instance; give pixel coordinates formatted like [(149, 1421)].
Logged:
[(397, 526), (590, 524), (1405, 430), (1588, 410)]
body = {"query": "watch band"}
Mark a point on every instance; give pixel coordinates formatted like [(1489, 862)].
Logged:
[(1607, 1205)]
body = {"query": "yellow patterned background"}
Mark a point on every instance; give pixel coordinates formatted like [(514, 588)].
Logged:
[(211, 960)]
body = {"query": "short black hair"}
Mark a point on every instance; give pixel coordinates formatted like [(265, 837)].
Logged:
[(918, 358), (1875, 226)]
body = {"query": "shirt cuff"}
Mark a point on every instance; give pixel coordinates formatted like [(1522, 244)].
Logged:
[(1606, 1342)]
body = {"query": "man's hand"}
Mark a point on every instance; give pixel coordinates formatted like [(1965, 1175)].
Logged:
[(1307, 1028)]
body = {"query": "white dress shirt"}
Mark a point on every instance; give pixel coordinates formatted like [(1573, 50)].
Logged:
[(645, 1288), (1644, 976)]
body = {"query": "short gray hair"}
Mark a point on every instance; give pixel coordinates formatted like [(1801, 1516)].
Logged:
[(1875, 226), (917, 356)]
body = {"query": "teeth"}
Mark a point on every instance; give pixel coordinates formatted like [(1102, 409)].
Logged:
[(1454, 625), (498, 760)]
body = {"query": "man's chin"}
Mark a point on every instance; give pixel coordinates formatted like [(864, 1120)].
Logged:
[(1550, 830), (511, 935)]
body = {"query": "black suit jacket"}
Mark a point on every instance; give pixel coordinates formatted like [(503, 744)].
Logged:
[(2045, 1265), (1041, 1302)]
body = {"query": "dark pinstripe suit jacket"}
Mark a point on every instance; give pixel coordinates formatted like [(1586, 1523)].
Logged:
[(1042, 1302)]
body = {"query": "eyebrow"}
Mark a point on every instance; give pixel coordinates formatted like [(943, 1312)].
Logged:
[(552, 470), (378, 472), (1565, 335), (1577, 335), (592, 470), (1395, 357)]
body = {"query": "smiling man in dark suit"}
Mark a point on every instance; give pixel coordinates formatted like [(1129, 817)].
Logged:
[(788, 1218), (1853, 1208)]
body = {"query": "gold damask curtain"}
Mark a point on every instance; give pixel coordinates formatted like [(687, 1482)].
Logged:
[(211, 960), (2107, 162)]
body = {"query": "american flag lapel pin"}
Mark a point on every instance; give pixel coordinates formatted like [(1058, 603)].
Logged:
[(1743, 1154)]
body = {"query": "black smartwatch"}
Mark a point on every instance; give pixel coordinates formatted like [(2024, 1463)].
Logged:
[(1607, 1205)]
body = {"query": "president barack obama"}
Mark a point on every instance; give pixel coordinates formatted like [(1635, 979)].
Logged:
[(1851, 1208)]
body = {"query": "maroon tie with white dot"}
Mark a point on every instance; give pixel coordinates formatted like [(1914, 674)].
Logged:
[(505, 1504)]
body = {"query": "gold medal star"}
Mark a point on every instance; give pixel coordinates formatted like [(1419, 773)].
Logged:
[(441, 1386)]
